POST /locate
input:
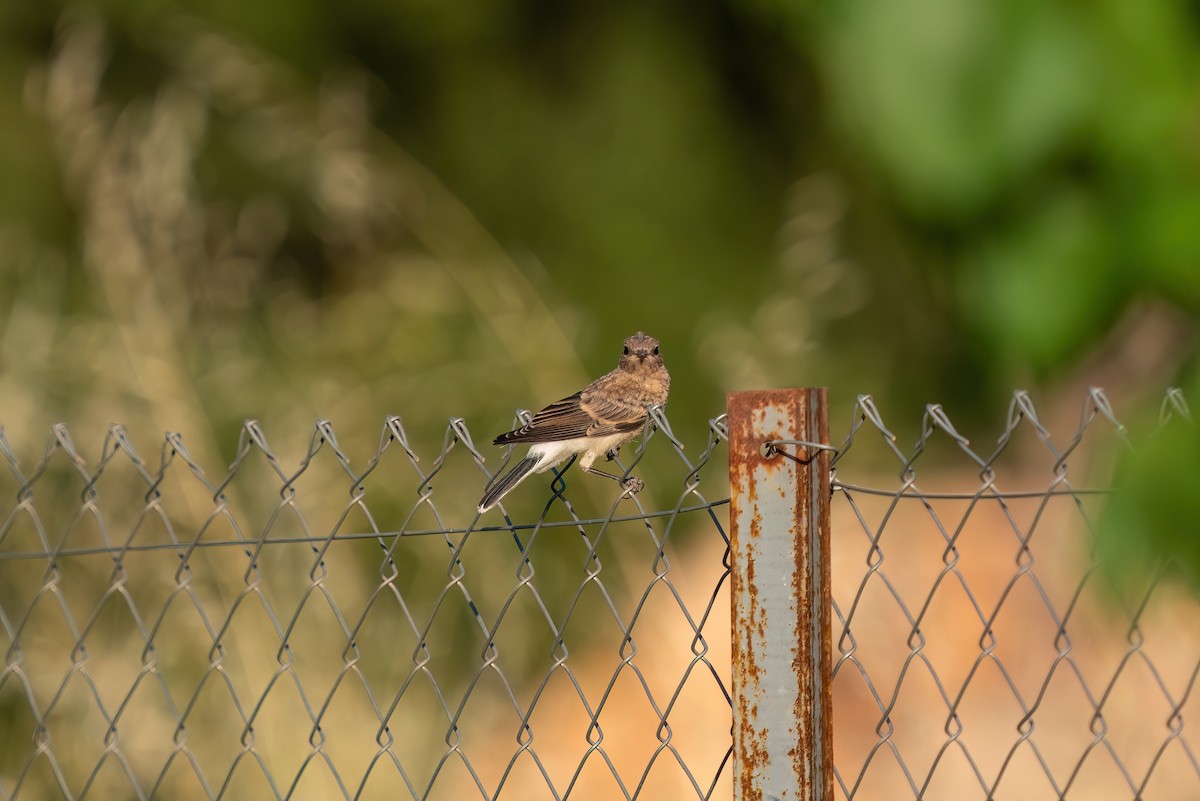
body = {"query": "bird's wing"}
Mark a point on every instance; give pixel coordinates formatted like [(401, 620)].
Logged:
[(560, 420), (581, 415), (610, 415)]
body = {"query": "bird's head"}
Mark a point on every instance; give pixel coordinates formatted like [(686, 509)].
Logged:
[(640, 354)]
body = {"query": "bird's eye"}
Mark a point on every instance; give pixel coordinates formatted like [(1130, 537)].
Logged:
[(656, 350), (626, 350)]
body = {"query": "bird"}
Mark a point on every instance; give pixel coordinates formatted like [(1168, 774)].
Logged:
[(596, 421)]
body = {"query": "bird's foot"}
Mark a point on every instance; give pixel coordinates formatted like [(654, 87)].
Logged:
[(633, 485)]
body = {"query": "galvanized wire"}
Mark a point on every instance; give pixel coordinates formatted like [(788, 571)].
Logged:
[(983, 672), (976, 653), (449, 674)]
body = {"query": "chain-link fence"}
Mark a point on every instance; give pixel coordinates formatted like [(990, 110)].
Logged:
[(319, 632), (980, 650), (346, 629)]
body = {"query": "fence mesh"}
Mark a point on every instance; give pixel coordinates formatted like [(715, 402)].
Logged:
[(334, 631), (316, 633), (980, 650)]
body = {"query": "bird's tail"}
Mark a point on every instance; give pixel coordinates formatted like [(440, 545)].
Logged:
[(505, 484)]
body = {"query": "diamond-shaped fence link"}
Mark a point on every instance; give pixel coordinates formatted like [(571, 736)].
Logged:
[(980, 650), (319, 632), (345, 629)]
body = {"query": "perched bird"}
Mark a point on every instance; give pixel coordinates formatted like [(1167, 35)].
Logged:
[(594, 422)]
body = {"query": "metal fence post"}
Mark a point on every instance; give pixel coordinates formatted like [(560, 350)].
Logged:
[(782, 655)]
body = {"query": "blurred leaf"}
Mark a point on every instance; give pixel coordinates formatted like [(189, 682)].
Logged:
[(1152, 521), (1168, 229), (1046, 285), (954, 100)]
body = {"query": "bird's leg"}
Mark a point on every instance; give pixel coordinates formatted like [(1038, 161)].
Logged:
[(596, 472), (612, 452), (631, 483)]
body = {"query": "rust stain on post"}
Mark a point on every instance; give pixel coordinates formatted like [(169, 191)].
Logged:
[(782, 651)]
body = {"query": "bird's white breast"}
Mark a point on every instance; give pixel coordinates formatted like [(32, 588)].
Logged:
[(550, 454)]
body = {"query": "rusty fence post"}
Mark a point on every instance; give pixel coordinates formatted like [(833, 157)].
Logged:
[(782, 656)]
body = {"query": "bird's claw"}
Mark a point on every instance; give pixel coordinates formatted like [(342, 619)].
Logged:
[(633, 485)]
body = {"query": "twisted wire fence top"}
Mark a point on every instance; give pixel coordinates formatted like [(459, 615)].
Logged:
[(980, 649), (331, 630), (171, 634)]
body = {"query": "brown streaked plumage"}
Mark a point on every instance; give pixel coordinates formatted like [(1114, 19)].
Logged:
[(595, 421)]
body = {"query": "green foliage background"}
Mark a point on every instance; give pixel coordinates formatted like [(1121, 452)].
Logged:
[(283, 210)]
